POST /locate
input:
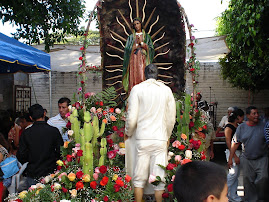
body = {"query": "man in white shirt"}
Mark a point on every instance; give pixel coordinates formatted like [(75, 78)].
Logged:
[(150, 120), (224, 120), (60, 120)]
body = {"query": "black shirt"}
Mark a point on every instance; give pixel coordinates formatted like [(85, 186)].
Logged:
[(40, 146)]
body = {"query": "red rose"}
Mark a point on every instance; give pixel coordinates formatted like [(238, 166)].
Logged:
[(59, 167), (191, 124), (105, 198), (64, 190), (19, 200), (103, 169), (52, 188), (93, 184), (111, 110), (104, 181), (79, 174), (170, 187), (109, 141), (69, 157), (97, 103), (203, 157), (120, 183), (101, 103), (82, 48), (170, 166), (116, 187), (80, 58), (192, 69), (165, 195), (80, 152), (127, 178), (115, 128), (104, 113), (205, 127), (191, 44), (121, 134), (68, 125), (82, 82), (181, 147), (79, 185)]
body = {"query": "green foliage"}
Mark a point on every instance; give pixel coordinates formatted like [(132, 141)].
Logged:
[(49, 21), (107, 96), (246, 25)]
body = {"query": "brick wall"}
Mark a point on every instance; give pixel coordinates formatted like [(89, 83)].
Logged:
[(64, 84), (222, 92)]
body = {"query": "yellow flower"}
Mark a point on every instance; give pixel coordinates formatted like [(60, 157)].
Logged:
[(66, 144), (183, 136), (115, 177), (71, 176), (121, 144), (22, 194), (60, 163), (86, 178)]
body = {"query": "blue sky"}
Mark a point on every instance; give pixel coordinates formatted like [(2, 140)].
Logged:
[(201, 14)]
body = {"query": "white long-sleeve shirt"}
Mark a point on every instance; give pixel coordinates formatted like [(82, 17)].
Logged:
[(151, 111)]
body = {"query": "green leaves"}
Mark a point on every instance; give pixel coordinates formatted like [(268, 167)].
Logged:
[(48, 21), (245, 24)]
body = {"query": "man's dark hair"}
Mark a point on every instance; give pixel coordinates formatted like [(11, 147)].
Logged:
[(196, 180), (151, 71), (63, 100), (248, 110), (235, 114), (36, 111)]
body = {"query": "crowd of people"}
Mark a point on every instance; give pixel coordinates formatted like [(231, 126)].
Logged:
[(34, 142)]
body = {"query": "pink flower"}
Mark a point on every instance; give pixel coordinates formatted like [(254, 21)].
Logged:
[(192, 37), (152, 178), (116, 147), (173, 178), (111, 154), (117, 111), (191, 25), (178, 158), (95, 176), (67, 114), (93, 110), (80, 89), (96, 170), (176, 144)]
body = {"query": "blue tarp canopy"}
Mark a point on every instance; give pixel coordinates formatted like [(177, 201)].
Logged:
[(16, 56)]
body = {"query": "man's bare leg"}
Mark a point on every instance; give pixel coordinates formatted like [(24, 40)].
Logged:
[(138, 192), (158, 195)]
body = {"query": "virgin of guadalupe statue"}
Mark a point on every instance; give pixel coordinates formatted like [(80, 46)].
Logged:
[(138, 53)]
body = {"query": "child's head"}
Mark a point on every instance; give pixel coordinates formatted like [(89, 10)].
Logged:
[(200, 181)]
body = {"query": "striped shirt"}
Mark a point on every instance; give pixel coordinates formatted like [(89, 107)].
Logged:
[(58, 122), (266, 132)]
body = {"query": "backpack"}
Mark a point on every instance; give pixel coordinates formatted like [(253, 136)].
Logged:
[(9, 166)]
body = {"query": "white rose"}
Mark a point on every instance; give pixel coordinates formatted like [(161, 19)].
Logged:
[(47, 179), (57, 186), (171, 154), (93, 110), (188, 154), (70, 132), (121, 151), (70, 107), (117, 110)]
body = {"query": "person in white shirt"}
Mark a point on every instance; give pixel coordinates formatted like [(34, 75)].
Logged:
[(150, 120), (224, 120), (60, 120)]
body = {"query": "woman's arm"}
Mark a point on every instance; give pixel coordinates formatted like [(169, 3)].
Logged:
[(228, 137)]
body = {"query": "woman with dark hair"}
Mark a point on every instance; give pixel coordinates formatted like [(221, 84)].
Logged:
[(234, 119), (138, 53)]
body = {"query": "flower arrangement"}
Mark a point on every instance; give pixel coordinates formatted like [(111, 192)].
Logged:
[(83, 173)]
